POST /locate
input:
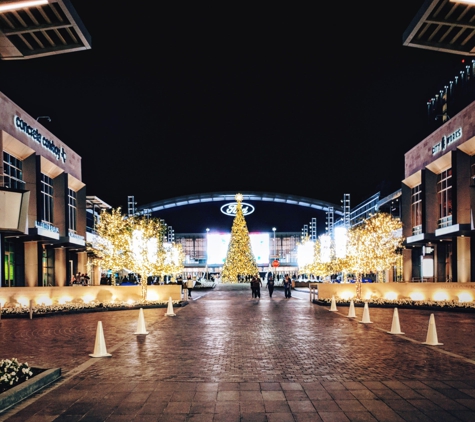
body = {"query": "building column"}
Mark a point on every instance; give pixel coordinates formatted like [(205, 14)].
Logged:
[(463, 259), (407, 265), (96, 275), (82, 262), (60, 271), (32, 267)]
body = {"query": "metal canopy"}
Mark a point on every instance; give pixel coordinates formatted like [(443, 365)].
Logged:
[(443, 25), (247, 196), (31, 32)]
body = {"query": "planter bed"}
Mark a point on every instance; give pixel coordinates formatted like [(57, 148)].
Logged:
[(400, 306), (25, 389), (87, 310)]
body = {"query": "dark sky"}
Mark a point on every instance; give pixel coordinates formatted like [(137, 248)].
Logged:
[(315, 101)]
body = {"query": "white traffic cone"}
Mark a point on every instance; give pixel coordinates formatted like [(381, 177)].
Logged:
[(351, 311), (431, 339), (366, 319), (333, 305), (395, 327), (141, 324), (100, 350), (170, 308)]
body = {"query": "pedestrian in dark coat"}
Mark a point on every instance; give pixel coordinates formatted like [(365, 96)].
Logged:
[(287, 286), (258, 287), (253, 287), (270, 284)]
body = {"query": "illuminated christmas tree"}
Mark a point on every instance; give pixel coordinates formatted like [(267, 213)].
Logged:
[(240, 260)]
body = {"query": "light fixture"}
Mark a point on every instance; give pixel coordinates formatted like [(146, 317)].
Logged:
[(21, 5)]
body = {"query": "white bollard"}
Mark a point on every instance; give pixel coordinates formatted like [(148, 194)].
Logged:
[(141, 324), (333, 305), (366, 319), (351, 311), (100, 350), (395, 327), (170, 308), (431, 338)]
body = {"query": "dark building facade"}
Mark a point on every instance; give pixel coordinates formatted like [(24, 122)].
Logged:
[(438, 202), (50, 247)]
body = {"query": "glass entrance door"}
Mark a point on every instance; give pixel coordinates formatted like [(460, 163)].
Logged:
[(9, 269)]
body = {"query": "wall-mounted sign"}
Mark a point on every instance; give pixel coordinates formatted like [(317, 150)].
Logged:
[(231, 208), (34, 134), (446, 141), (47, 230)]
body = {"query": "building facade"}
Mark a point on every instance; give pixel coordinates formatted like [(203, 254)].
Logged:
[(50, 248), (438, 202)]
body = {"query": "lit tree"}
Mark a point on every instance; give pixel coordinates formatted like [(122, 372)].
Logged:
[(173, 259), (135, 243), (240, 260), (372, 246), (110, 247), (317, 267), (145, 247)]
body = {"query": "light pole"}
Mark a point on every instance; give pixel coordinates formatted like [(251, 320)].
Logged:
[(275, 251), (275, 246), (206, 268)]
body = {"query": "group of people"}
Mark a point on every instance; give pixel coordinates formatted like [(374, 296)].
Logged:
[(256, 285), (78, 278)]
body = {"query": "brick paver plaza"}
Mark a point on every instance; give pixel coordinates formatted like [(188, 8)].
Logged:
[(227, 357)]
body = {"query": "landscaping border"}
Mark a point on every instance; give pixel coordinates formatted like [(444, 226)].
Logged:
[(87, 310), (21, 391), (399, 306)]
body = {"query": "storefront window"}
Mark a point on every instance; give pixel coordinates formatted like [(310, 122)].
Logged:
[(72, 210), (416, 209), (47, 198), (48, 267), (444, 197), (12, 172), (9, 265)]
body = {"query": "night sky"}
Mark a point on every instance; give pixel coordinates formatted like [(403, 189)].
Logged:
[(316, 101)]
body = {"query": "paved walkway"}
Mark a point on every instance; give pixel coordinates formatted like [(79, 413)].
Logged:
[(227, 357)]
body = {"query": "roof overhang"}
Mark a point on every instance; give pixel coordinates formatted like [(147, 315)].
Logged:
[(41, 30), (443, 25)]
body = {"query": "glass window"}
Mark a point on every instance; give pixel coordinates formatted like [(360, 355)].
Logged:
[(72, 210), (444, 198), (47, 199), (416, 209), (12, 172)]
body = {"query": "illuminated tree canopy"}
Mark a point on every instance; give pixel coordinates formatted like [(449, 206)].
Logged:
[(136, 244), (371, 247), (240, 260)]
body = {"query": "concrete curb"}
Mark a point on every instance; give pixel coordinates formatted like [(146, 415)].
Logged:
[(25, 389)]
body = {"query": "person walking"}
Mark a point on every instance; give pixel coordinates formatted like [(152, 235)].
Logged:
[(270, 284), (287, 286), (189, 285), (258, 287), (253, 286)]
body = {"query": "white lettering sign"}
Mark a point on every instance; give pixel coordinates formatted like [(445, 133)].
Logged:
[(46, 143), (446, 141)]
